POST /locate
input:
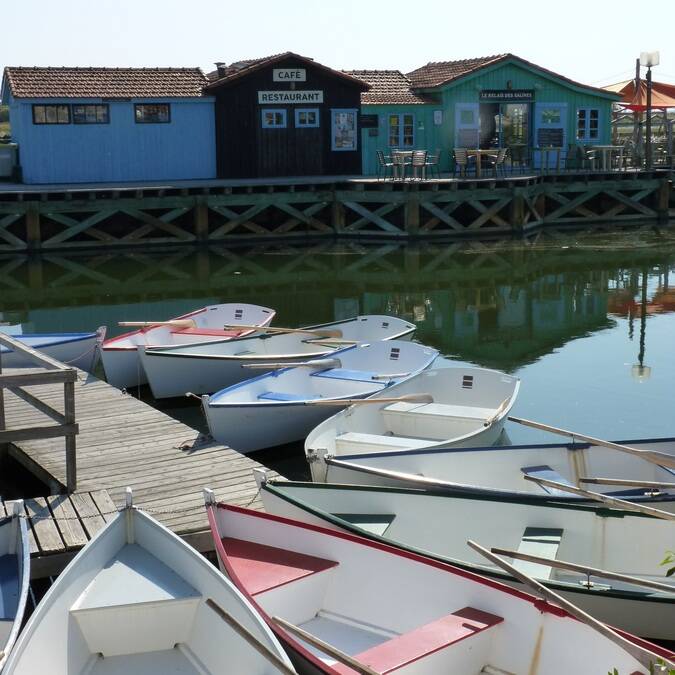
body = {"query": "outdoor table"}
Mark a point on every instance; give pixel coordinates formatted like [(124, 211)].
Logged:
[(606, 151), (406, 160), (545, 155), (478, 154)]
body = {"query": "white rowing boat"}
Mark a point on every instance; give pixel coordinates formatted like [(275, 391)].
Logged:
[(14, 577), (134, 600), (79, 350), (499, 471), (215, 322), (336, 599), (208, 367), (439, 524), (283, 406), (468, 407)]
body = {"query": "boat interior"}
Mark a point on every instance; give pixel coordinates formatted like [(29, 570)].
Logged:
[(358, 372), (10, 581), (464, 403), (436, 621), (136, 604), (441, 524)]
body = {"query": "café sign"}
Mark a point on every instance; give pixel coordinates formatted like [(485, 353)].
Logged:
[(289, 75), (291, 96), (520, 95)]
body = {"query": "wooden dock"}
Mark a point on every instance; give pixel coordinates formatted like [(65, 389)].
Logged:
[(121, 442), (50, 218)]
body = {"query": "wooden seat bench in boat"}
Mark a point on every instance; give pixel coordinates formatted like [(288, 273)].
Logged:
[(427, 641), (542, 542), (352, 441), (545, 471), (285, 396), (433, 420), (261, 568), (151, 607)]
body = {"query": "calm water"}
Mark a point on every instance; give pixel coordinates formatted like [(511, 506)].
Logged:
[(573, 315)]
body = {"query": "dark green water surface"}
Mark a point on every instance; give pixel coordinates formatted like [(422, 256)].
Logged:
[(572, 314)]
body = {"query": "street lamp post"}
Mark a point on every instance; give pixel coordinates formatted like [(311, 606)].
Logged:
[(647, 60)]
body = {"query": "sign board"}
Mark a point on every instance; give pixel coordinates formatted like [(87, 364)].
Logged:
[(369, 121), (438, 117), (289, 75), (510, 95), (290, 97)]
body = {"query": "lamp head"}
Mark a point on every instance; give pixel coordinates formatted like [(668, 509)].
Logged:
[(649, 59)]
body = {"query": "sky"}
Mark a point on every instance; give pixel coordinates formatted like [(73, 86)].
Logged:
[(592, 41)]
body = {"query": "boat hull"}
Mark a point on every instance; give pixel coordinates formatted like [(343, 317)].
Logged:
[(247, 428), (122, 367), (79, 350)]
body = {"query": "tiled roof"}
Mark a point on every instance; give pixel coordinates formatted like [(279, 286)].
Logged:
[(242, 68), (387, 87), (436, 73), (224, 70), (64, 82)]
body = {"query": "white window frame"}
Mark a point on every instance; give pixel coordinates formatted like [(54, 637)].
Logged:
[(281, 111), (298, 111), (587, 126), (401, 133)]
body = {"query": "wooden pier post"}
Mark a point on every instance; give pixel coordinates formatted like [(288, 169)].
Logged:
[(663, 200), (412, 212), (201, 219), (33, 237), (517, 215)]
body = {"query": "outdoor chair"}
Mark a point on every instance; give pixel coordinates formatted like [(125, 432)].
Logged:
[(384, 165), (418, 164), (433, 164), (589, 158), (461, 162), (400, 164), (519, 156), (498, 162)]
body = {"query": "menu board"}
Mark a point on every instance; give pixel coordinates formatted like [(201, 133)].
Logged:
[(344, 130), (550, 138)]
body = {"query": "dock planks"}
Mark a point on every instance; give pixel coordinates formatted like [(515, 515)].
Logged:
[(122, 443)]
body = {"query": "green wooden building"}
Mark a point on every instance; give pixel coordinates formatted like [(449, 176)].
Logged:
[(490, 102)]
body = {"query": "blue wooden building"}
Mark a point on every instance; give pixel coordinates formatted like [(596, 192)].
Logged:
[(76, 125)]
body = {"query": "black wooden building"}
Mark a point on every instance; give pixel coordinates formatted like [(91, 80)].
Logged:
[(286, 115)]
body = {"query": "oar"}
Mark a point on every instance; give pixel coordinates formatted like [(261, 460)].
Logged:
[(611, 501), (246, 634), (175, 323), (584, 569), (490, 420), (319, 332), (647, 658), (408, 398), (336, 653), (647, 484), (652, 456), (316, 363)]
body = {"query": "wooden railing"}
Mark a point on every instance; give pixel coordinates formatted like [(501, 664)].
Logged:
[(52, 372)]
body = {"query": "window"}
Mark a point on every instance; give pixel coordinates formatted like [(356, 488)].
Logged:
[(90, 114), (401, 131), (51, 114), (273, 118), (588, 124), (466, 117), (344, 126), (152, 113), (307, 117), (550, 116)]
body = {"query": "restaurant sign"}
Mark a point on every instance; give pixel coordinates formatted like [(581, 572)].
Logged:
[(522, 95), (290, 96)]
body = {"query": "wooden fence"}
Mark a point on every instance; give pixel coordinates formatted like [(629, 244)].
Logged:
[(49, 371)]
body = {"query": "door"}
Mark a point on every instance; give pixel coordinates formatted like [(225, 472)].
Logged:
[(467, 125), (550, 131)]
